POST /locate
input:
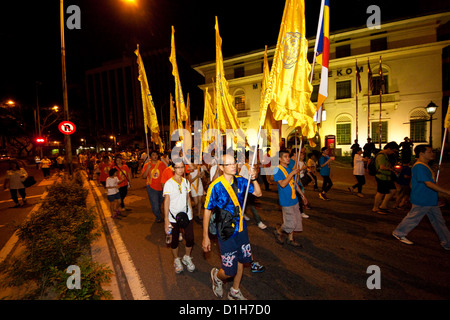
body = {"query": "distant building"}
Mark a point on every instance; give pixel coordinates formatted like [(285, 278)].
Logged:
[(415, 57)]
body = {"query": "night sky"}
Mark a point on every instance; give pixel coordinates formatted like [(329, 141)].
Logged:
[(30, 35)]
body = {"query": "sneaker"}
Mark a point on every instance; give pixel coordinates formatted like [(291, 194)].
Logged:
[(261, 225), (246, 217), (178, 266), (323, 196), (257, 268), (216, 283), (402, 239), (304, 215), (235, 295), (187, 261)]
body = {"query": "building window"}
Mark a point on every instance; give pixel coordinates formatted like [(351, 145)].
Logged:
[(376, 132), (377, 85), (343, 51), (418, 126), (239, 100), (379, 44), (239, 72), (344, 130), (344, 89)]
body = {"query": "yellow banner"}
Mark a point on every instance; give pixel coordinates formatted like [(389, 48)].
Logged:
[(227, 113), (150, 118), (266, 119), (447, 118), (173, 120), (179, 100), (209, 121), (289, 90)]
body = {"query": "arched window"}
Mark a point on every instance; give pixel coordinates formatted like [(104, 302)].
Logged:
[(239, 99), (344, 130), (418, 125)]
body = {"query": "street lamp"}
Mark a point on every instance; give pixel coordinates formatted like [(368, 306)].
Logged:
[(114, 139), (431, 109)]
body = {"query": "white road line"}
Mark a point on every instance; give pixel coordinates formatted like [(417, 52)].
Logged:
[(134, 280)]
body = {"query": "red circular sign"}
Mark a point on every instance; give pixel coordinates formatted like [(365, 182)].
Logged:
[(67, 127)]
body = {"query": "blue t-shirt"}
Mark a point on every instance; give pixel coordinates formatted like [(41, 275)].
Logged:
[(217, 196), (421, 195), (325, 170), (284, 194)]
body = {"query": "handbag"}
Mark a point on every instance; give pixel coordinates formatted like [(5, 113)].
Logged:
[(29, 181), (182, 217)]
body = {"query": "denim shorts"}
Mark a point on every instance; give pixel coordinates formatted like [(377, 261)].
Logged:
[(233, 250), (113, 197)]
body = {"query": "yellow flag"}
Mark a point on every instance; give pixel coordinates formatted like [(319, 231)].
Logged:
[(209, 120), (447, 117), (227, 114), (266, 120), (179, 100), (187, 125), (289, 90), (173, 120), (150, 118)]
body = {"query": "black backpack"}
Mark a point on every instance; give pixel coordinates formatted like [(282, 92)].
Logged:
[(371, 167)]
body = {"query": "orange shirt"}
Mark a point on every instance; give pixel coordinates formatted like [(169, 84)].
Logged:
[(167, 174), (104, 171), (155, 174), (121, 172)]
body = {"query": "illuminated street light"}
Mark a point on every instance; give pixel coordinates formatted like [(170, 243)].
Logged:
[(431, 109)]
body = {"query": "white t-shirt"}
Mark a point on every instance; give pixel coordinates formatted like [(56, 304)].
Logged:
[(197, 184), (112, 182), (358, 165), (178, 194)]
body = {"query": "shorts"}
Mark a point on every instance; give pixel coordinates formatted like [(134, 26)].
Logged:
[(292, 219), (236, 249), (384, 186), (113, 197)]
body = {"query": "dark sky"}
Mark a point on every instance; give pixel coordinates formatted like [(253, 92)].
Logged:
[(30, 35)]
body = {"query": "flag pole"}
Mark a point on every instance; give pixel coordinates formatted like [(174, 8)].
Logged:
[(369, 91), (442, 153), (251, 167), (356, 94), (380, 72)]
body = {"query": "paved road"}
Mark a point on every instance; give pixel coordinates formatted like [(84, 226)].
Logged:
[(341, 240)]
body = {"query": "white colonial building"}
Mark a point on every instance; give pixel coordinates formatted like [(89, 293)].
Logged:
[(415, 55)]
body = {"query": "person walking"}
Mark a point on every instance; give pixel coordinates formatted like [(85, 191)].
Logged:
[(15, 177), (124, 175), (406, 150), (225, 195), (45, 166), (152, 171), (244, 172), (358, 172), (384, 178), (324, 163), (112, 191), (177, 201), (287, 197), (424, 200), (195, 176), (404, 183)]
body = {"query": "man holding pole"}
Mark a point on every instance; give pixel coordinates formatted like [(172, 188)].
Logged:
[(424, 199), (226, 196)]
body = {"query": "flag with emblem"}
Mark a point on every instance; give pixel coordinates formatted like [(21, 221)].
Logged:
[(289, 89)]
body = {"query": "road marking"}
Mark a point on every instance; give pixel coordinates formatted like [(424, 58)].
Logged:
[(10, 200), (134, 280)]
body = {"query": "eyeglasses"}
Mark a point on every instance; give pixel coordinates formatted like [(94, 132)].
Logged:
[(178, 167), (229, 164)]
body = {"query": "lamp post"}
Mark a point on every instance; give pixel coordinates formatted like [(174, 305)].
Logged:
[(67, 141), (431, 109)]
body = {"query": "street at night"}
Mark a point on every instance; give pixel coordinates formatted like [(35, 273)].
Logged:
[(196, 153)]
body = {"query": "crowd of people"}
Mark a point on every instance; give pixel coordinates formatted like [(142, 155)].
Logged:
[(213, 195)]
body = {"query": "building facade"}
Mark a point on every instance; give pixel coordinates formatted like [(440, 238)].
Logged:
[(414, 55)]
